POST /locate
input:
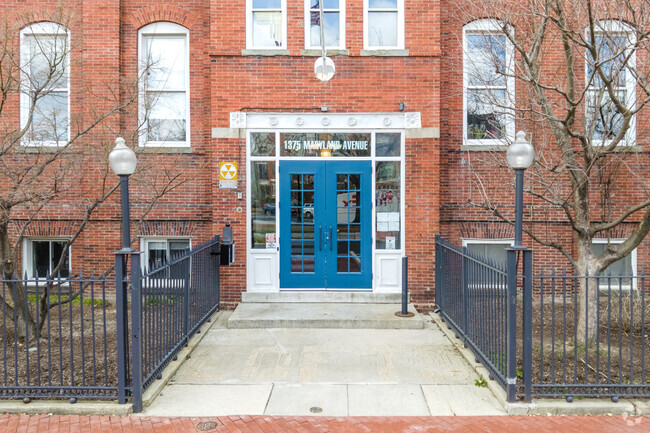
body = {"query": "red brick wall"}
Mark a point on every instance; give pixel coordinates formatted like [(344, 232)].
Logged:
[(440, 177), (222, 81), (466, 174), (361, 84)]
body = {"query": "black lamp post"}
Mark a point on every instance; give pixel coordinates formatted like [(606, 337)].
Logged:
[(123, 161), (520, 156)]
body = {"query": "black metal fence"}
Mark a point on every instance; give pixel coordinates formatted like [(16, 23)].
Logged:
[(93, 345), (540, 345), (75, 352), (608, 356)]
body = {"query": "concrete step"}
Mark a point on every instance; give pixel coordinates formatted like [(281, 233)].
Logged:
[(321, 296), (322, 315)]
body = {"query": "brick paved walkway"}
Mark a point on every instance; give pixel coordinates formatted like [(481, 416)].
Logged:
[(262, 424)]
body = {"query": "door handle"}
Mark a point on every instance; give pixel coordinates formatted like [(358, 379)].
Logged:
[(331, 238), (320, 237)]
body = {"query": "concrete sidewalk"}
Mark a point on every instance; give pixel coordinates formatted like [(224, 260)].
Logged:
[(331, 372)]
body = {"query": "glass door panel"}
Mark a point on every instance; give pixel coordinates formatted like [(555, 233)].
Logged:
[(348, 210)]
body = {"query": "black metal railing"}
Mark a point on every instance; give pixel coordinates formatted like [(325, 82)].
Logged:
[(94, 345), (66, 351), (537, 344), (471, 296), (177, 298)]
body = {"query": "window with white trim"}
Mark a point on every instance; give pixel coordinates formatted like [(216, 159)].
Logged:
[(45, 84), (625, 267), (42, 255), (159, 251), (614, 42), (492, 251), (165, 97), (334, 17), (383, 24), (266, 24), (488, 85)]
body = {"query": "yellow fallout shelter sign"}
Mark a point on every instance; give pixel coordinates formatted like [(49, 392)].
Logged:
[(228, 175)]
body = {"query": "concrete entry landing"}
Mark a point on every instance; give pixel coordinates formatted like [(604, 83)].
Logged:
[(350, 315), (331, 372)]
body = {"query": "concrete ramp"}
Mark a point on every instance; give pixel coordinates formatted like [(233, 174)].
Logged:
[(350, 315)]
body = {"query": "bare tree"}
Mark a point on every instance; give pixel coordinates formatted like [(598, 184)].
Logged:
[(41, 153), (578, 79)]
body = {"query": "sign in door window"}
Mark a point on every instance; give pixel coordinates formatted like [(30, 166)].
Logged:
[(387, 199), (348, 229)]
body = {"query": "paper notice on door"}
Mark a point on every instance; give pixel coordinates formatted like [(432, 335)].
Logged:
[(390, 242), (393, 221), (382, 222), (388, 222)]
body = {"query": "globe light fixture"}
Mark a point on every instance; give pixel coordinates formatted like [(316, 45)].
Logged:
[(122, 159), (520, 154)]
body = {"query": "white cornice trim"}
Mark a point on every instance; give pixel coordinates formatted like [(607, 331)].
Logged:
[(320, 121)]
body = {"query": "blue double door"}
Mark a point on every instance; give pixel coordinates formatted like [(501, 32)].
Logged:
[(325, 225)]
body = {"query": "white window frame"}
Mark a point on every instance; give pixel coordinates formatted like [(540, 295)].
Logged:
[(509, 242), (249, 26), (28, 255), (614, 27), (633, 263), (489, 26), (163, 30), (340, 10), (145, 240), (400, 26), (40, 29), (498, 241)]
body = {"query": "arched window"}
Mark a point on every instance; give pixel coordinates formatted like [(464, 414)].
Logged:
[(165, 84), (45, 84), (615, 57), (488, 86)]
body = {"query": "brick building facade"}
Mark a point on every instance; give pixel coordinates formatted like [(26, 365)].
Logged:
[(337, 177)]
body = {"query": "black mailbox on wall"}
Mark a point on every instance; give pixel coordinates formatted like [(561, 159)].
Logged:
[(227, 246)]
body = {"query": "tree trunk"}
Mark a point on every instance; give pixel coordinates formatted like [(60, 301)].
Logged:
[(588, 295), (23, 315)]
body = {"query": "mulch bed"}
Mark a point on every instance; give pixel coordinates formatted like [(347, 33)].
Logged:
[(76, 352), (621, 354)]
